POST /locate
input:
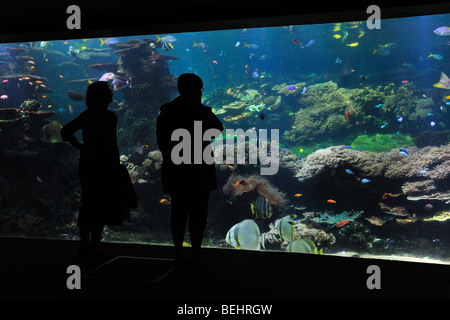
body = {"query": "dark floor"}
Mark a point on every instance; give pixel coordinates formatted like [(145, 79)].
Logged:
[(36, 269)]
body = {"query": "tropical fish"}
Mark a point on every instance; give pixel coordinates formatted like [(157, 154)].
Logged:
[(379, 105), (298, 195), (304, 245), (242, 182), (200, 45), (403, 152), (169, 39), (285, 228), (436, 56), (346, 115), (337, 36), (354, 44), (444, 82), (262, 116), (51, 132), (341, 223), (291, 87), (365, 180), (386, 195), (244, 235), (4, 96), (167, 46), (119, 83), (261, 209), (442, 31), (75, 95), (304, 90), (375, 221), (109, 41), (107, 76), (310, 43), (331, 201), (349, 171), (164, 201), (382, 51), (251, 46), (384, 125)]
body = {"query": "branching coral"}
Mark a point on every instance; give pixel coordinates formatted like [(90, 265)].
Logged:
[(236, 187)]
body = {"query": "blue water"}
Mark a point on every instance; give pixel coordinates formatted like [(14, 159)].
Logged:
[(239, 60)]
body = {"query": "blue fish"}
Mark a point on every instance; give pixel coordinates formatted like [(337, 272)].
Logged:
[(349, 171), (310, 42), (379, 105), (348, 146), (365, 180), (384, 125), (423, 171)]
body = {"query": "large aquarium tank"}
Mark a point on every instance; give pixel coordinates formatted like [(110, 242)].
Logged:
[(356, 122)]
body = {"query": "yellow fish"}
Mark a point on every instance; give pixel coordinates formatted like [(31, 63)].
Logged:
[(336, 36), (354, 44), (444, 82)]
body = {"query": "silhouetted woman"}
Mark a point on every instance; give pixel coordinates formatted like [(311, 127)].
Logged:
[(99, 160)]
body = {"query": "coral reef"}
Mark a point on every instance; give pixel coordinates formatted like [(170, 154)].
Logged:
[(20, 128), (333, 219), (300, 231), (423, 171), (254, 182), (152, 87)]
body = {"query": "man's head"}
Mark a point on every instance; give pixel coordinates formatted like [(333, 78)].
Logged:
[(98, 95), (190, 85)]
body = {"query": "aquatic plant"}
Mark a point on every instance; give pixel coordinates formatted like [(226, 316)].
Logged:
[(332, 219), (382, 142)]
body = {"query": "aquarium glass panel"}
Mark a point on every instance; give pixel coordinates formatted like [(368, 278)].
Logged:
[(353, 123)]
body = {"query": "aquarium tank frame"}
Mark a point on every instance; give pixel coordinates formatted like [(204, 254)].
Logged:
[(279, 230)]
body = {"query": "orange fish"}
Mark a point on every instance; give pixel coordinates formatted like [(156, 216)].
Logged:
[(331, 201), (386, 195), (298, 195), (342, 223), (164, 201), (346, 116), (295, 41), (242, 181)]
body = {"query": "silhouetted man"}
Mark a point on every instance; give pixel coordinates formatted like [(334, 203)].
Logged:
[(190, 181)]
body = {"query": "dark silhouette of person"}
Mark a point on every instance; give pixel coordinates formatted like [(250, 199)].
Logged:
[(101, 177), (188, 183)]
